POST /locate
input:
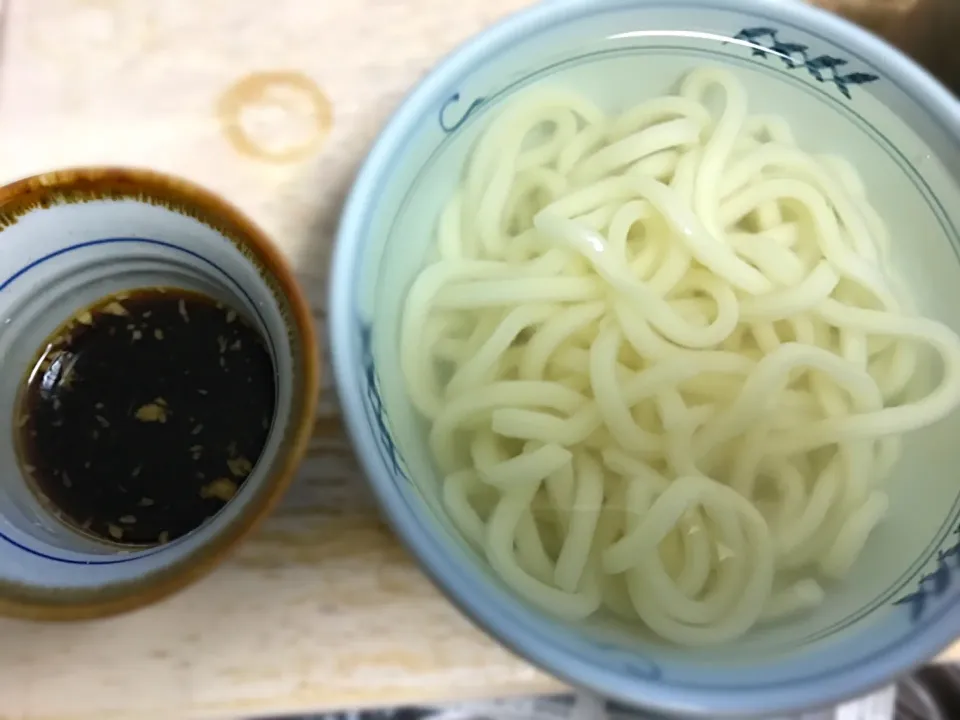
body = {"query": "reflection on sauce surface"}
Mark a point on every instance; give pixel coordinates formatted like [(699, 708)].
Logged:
[(144, 414), (275, 116)]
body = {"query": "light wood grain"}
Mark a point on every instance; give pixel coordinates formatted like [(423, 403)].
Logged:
[(315, 613), (323, 608)]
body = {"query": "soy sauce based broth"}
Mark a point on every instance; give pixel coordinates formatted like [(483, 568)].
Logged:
[(145, 413)]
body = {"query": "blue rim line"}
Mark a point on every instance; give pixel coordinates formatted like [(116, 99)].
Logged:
[(106, 241)]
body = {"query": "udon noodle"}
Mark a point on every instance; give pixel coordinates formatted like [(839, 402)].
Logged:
[(664, 367)]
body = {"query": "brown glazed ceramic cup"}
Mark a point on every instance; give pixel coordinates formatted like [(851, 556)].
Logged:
[(70, 238)]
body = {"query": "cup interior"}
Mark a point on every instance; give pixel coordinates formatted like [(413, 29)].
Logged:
[(62, 256), (899, 130)]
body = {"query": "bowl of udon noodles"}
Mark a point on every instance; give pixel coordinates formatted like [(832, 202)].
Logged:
[(645, 321)]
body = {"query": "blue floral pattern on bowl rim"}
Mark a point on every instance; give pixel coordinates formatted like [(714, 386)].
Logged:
[(823, 68)]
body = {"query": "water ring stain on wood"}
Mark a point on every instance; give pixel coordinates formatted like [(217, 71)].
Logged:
[(260, 112)]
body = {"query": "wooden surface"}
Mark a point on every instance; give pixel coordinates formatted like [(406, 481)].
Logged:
[(272, 104)]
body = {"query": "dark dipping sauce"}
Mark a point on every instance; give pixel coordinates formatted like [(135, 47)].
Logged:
[(144, 414)]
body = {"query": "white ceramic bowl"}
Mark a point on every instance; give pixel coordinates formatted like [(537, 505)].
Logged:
[(843, 91), (70, 238)]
